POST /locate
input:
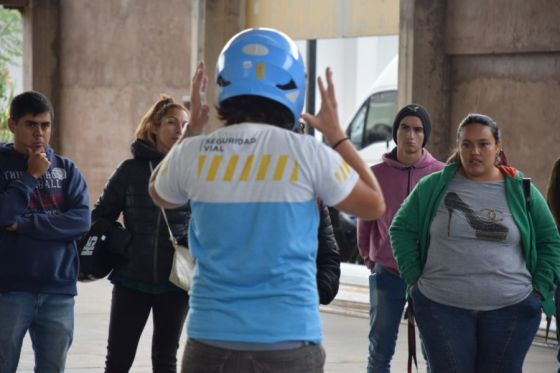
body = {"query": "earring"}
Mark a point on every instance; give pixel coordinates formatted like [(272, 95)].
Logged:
[(499, 157)]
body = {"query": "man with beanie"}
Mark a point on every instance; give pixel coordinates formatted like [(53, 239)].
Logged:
[(398, 173)]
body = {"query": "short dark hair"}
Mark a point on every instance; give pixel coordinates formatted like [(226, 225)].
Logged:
[(248, 108), (30, 102)]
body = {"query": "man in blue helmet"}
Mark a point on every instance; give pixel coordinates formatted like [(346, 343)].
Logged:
[(253, 187)]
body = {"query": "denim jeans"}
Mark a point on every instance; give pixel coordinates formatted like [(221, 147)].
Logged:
[(387, 296), (202, 358), (129, 312), (464, 341), (50, 322)]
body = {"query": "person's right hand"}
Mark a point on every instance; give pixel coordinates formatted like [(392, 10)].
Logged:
[(199, 107), (37, 163)]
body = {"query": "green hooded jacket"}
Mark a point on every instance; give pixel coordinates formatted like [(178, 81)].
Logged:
[(410, 229)]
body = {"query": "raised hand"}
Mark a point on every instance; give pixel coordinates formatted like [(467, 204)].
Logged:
[(326, 121), (199, 107), (37, 163)]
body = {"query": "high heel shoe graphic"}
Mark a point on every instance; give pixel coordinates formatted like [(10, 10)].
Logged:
[(487, 230)]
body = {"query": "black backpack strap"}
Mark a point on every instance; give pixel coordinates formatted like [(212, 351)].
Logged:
[(527, 192)]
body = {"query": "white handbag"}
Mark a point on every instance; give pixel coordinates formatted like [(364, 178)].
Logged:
[(182, 269), (183, 262)]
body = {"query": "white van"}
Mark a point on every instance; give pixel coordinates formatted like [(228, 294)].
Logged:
[(371, 132), (371, 128)]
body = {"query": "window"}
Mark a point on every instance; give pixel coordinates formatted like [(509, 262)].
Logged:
[(374, 120), (381, 113), (355, 129)]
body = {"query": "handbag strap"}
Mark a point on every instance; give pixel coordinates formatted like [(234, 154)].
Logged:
[(527, 192), (171, 236)]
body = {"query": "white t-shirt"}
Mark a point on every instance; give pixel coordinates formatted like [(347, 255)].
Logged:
[(253, 231)]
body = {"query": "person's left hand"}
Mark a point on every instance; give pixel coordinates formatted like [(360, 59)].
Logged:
[(199, 107), (326, 121)]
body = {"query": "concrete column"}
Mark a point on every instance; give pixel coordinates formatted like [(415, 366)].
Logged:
[(406, 51), (424, 66), (198, 27), (505, 57), (116, 58), (41, 49), (223, 19)]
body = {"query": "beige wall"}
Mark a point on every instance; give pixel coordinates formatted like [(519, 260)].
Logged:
[(223, 19), (507, 64), (522, 93), (500, 58), (116, 57), (313, 19)]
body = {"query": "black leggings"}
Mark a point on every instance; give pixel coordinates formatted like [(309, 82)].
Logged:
[(129, 311)]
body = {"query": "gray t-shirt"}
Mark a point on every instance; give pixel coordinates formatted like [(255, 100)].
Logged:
[(475, 258)]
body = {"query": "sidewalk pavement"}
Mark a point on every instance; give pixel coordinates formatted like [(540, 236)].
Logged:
[(345, 327)]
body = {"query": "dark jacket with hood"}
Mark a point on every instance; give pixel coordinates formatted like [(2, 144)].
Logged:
[(150, 253), (328, 258), (51, 212)]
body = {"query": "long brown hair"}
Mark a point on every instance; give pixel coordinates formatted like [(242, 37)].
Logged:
[(485, 120), (553, 191), (154, 115)]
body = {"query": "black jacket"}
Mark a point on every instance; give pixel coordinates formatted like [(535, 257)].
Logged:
[(328, 258), (150, 252)]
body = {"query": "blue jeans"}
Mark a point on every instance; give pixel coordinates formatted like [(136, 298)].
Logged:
[(387, 296), (458, 340), (200, 357), (50, 321)]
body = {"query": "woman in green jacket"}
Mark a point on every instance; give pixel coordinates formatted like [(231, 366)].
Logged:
[(479, 255)]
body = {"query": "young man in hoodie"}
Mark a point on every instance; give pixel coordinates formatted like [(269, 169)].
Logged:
[(44, 207), (399, 172)]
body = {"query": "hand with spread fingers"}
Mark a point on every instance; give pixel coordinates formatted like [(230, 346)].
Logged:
[(326, 121), (199, 107)]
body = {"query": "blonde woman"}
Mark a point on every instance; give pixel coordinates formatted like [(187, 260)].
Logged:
[(142, 284)]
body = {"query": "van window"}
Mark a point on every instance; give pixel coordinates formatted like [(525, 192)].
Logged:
[(356, 128), (381, 113), (374, 120)]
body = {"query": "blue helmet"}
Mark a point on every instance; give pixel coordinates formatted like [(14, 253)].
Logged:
[(262, 62)]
